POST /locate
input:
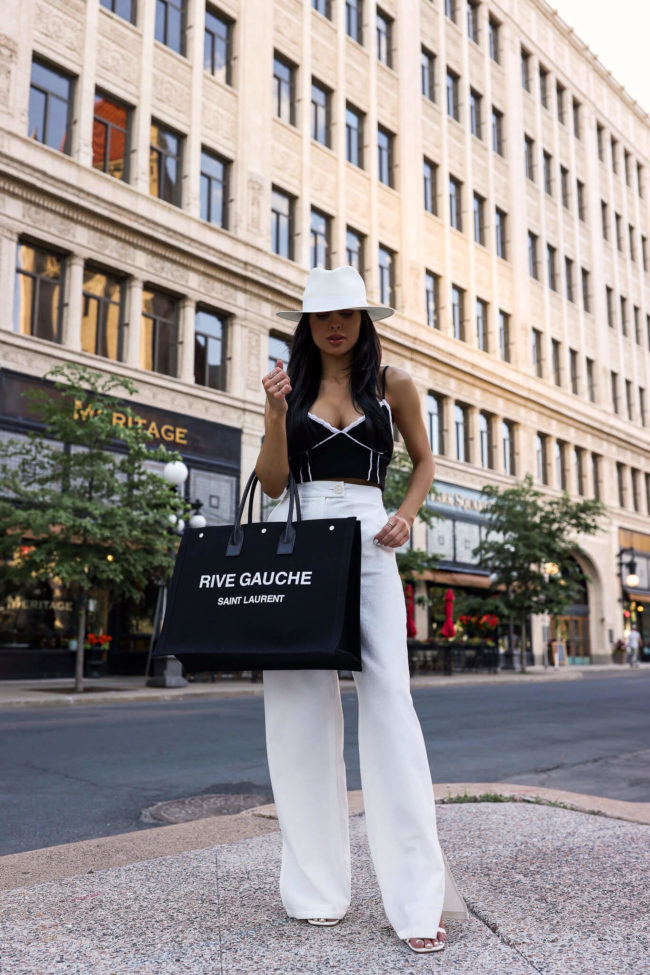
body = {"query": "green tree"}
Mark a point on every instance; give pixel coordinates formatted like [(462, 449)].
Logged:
[(413, 561), (529, 548), (78, 506)]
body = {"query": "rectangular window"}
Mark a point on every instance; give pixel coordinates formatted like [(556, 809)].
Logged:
[(432, 298), (595, 475), (627, 167), (453, 107), (319, 235), (620, 483), (386, 276), (560, 464), (508, 445), (284, 80), (614, 381), (533, 260), (111, 124), (102, 313), (458, 312), (455, 203), (482, 325), (354, 136), (122, 8), (618, 224), (537, 353), (504, 336), (279, 348), (525, 69), (632, 241), (600, 141), (210, 348), (628, 399), (497, 131), (564, 186), (479, 219), (644, 252), (543, 86), (501, 233), (385, 156), (427, 74), (430, 180), (435, 418), (639, 178), (623, 303), (609, 303), (355, 250), (637, 324), (642, 407), (354, 20), (165, 162), (38, 296), (529, 157), (214, 192), (556, 362), (579, 470), (560, 93), (159, 332), (586, 289), (551, 263), (636, 494), (614, 147), (282, 220), (320, 114), (217, 46), (485, 438), (568, 276), (472, 20), (548, 173), (170, 28), (323, 7), (541, 456), (476, 113), (577, 127), (580, 195), (384, 38), (604, 217), (461, 432), (493, 33), (591, 383), (450, 10), (50, 107), (573, 365)]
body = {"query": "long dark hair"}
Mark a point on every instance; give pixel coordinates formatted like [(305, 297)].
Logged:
[(304, 371)]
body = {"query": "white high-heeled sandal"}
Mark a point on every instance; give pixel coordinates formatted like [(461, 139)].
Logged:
[(439, 946), (323, 922)]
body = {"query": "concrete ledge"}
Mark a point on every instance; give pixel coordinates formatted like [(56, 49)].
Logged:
[(87, 856)]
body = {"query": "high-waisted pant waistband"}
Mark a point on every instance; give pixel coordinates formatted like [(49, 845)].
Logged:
[(363, 493)]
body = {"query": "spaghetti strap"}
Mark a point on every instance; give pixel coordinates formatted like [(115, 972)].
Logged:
[(383, 382)]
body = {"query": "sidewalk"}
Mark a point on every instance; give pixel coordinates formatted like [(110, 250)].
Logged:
[(53, 693), (549, 889)]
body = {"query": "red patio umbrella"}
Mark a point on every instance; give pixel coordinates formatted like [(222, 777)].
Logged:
[(411, 629), (448, 628)]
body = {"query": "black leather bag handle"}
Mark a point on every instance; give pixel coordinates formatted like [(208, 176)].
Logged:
[(288, 536)]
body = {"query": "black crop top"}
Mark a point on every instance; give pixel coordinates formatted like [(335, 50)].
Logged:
[(349, 452)]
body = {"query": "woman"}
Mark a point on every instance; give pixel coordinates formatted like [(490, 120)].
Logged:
[(328, 419)]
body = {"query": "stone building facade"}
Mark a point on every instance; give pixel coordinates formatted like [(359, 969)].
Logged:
[(169, 172)]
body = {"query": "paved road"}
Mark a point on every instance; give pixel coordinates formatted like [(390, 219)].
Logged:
[(71, 774)]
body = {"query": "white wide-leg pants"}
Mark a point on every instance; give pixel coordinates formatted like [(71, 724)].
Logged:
[(304, 739)]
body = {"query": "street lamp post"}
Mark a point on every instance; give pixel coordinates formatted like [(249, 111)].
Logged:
[(168, 671)]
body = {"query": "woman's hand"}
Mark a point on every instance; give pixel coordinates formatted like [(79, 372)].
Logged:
[(395, 532), (277, 386)]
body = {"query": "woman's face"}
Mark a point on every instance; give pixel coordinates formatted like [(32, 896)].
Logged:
[(335, 332)]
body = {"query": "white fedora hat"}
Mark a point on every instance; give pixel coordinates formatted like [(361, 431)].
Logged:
[(334, 290)]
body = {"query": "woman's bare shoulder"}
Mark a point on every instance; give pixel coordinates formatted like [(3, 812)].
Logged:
[(398, 381)]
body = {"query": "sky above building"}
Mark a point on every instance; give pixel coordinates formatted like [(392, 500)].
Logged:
[(618, 33)]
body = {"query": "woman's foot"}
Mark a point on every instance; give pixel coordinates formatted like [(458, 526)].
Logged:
[(424, 946), (323, 922)]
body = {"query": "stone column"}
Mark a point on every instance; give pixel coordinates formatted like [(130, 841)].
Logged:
[(186, 341), (497, 444), (132, 323), (8, 248), (71, 328), (192, 161)]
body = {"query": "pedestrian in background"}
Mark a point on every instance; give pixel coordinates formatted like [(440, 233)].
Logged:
[(633, 645), (329, 420)]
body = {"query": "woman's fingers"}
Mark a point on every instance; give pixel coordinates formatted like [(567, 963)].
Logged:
[(276, 383), (395, 532)]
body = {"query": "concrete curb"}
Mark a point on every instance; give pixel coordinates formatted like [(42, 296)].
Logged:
[(88, 856)]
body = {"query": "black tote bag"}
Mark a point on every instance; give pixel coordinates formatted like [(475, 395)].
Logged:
[(267, 595)]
